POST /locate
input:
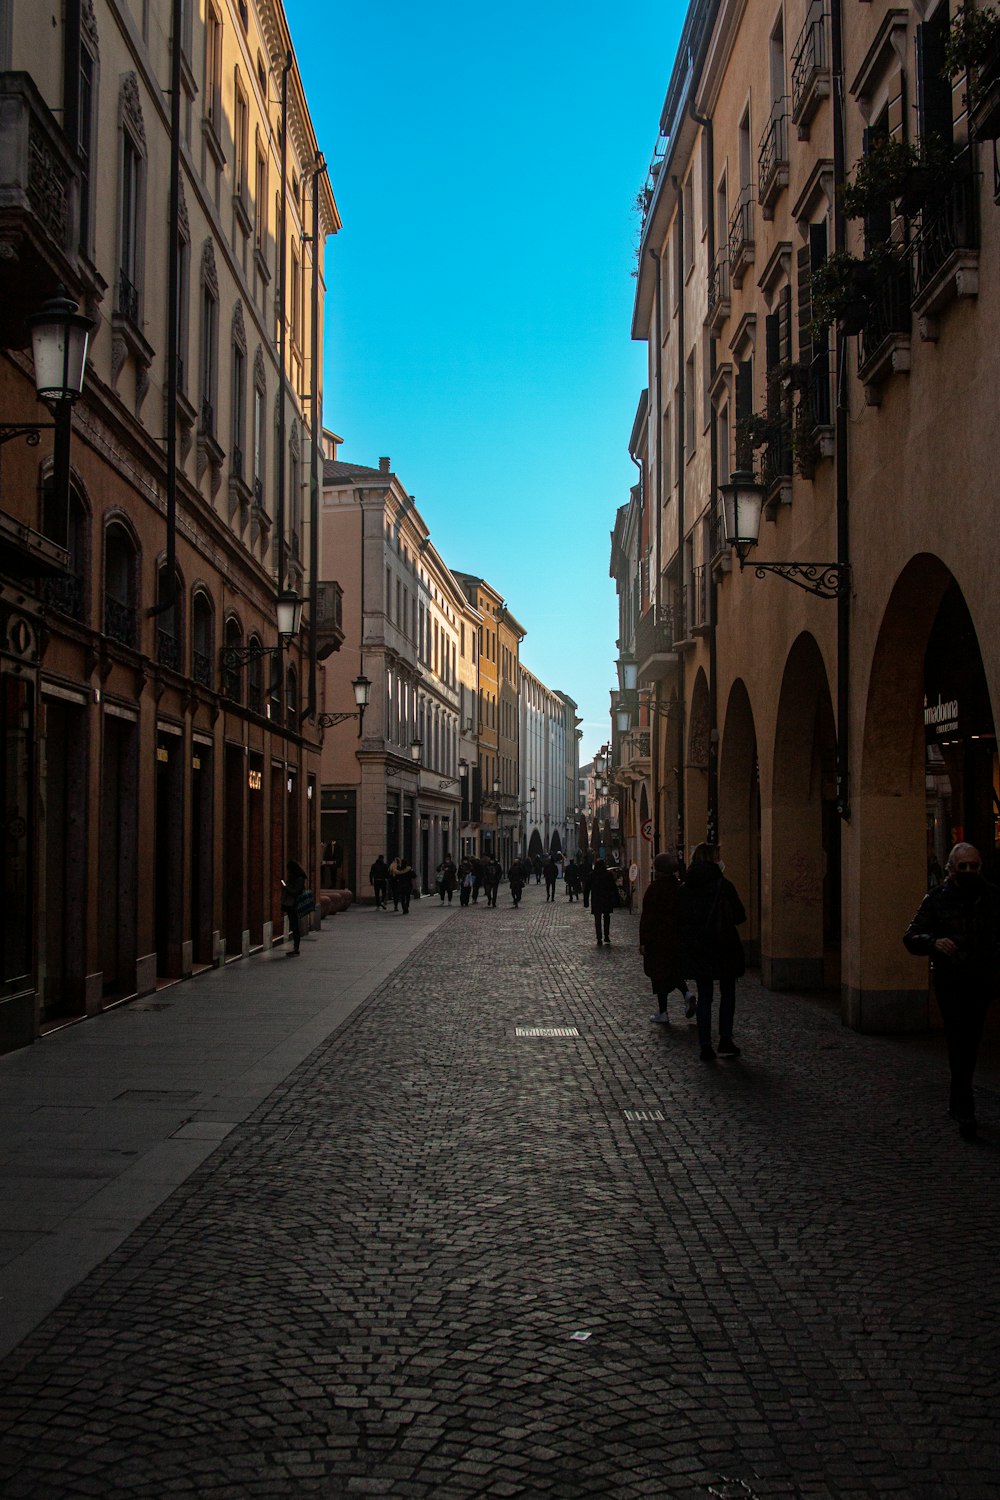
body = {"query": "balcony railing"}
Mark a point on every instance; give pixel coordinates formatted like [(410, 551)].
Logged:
[(810, 68), (119, 621), (889, 319), (168, 649), (201, 667), (232, 682), (948, 225), (654, 635), (699, 598), (64, 594), (741, 242), (772, 161), (128, 298), (817, 392), (718, 290)]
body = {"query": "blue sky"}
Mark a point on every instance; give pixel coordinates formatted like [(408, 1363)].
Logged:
[(480, 292)]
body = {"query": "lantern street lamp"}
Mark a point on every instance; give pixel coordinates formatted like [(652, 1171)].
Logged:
[(289, 611), (623, 717), (362, 690), (628, 673), (742, 505)]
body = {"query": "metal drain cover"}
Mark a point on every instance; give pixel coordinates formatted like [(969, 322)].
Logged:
[(546, 1031), (649, 1116)]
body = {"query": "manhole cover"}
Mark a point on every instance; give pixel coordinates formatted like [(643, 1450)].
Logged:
[(546, 1031), (638, 1116)]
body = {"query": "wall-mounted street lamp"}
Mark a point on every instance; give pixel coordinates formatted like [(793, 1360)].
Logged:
[(59, 337), (416, 746), (289, 611), (742, 505), (623, 716), (463, 771), (628, 673), (362, 689)]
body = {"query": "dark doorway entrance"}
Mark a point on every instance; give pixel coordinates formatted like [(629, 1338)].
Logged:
[(169, 855), (233, 853), (202, 826), (119, 873), (64, 803)]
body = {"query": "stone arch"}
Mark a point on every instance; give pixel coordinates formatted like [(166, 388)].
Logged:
[(555, 842), (801, 833), (739, 809), (535, 845), (696, 763), (927, 647)]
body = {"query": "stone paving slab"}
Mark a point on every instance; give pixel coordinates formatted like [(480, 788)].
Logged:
[(440, 1259)]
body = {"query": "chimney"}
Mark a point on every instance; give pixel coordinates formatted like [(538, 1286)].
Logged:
[(384, 465)]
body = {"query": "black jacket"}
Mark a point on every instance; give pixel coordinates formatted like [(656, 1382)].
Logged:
[(603, 891), (710, 913), (970, 916)]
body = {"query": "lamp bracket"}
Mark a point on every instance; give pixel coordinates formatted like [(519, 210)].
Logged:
[(825, 580), (327, 721), (28, 430), (238, 656)]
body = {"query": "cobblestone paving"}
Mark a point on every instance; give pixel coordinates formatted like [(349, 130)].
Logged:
[(788, 1283)]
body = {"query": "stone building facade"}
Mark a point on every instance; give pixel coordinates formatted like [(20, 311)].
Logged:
[(817, 282), (153, 789)]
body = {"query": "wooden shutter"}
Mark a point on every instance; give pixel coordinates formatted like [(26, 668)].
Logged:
[(803, 268), (934, 117)]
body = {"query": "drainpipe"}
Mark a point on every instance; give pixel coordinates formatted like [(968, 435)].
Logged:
[(282, 320), (712, 830), (173, 307), (681, 465), (314, 450), (843, 802), (654, 737)]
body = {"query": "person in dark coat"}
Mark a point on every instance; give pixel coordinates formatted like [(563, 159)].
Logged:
[(572, 878), (711, 912), (603, 900), (536, 865), (551, 872), (958, 927), (379, 877), (293, 887), (446, 878), (403, 887), (477, 877), (516, 877), (587, 878), (492, 874), (465, 881), (661, 942)]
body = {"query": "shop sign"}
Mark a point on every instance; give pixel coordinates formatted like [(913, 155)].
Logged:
[(255, 780), (941, 718)]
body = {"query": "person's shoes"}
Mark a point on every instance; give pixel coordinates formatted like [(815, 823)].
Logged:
[(968, 1129), (600, 942), (708, 1054), (728, 1049), (690, 1003), (661, 1018)]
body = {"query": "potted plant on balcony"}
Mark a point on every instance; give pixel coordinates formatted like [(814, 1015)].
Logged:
[(973, 48), (843, 285), (806, 447), (880, 177)]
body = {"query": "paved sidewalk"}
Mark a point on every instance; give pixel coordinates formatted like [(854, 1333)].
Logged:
[(100, 1121), (459, 1251)]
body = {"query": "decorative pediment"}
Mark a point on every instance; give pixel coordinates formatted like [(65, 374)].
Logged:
[(130, 108), (209, 274), (239, 330), (259, 372)]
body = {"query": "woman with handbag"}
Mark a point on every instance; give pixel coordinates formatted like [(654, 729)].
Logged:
[(710, 912), (293, 891)]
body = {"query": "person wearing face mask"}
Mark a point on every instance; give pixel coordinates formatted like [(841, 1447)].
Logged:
[(958, 927)]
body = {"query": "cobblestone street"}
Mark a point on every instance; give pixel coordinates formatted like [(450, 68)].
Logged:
[(443, 1259)]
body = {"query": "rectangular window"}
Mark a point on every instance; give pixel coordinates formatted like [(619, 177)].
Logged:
[(239, 405), (241, 131), (128, 299), (183, 311), (213, 69), (260, 203), (294, 296), (209, 326), (258, 444), (85, 146), (690, 406)]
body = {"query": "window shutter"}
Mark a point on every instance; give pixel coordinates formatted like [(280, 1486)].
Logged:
[(934, 117), (785, 325), (803, 268), (744, 409)]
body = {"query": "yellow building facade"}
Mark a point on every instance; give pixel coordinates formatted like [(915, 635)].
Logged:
[(830, 720)]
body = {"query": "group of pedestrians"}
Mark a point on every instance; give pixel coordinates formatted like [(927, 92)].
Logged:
[(689, 927)]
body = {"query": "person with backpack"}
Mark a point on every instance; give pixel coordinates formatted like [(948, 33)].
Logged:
[(711, 911)]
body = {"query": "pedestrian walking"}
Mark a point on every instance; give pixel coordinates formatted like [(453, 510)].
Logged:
[(477, 877), (603, 900), (958, 927), (379, 877), (516, 877), (492, 875), (403, 886), (660, 939), (293, 895), (464, 878), (711, 912), (446, 878), (536, 865), (587, 878), (393, 872), (551, 872), (572, 878)]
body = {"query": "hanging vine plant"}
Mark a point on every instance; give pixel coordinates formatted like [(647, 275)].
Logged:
[(972, 45)]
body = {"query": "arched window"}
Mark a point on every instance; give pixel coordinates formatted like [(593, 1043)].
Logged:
[(120, 576), (201, 638), (292, 698), (71, 531), (169, 641), (274, 690), (256, 699), (232, 672)]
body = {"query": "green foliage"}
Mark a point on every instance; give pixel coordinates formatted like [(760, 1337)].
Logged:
[(972, 40), (879, 178)]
